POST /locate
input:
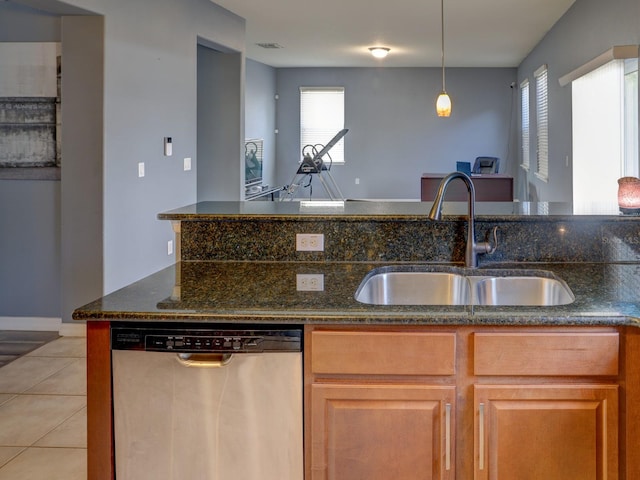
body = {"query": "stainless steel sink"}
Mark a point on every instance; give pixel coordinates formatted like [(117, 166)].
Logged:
[(414, 288), (525, 291), (389, 286)]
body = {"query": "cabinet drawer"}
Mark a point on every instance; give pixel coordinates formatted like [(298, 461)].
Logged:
[(383, 353), (590, 354)]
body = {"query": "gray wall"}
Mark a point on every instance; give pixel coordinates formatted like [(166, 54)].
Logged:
[(219, 168), (29, 209), (260, 114), (81, 205), (150, 93), (19, 23), (29, 248), (394, 134), (589, 28), (150, 63)]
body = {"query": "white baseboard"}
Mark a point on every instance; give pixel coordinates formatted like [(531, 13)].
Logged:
[(75, 329), (43, 324)]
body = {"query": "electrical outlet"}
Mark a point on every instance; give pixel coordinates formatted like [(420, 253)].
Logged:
[(310, 242), (170, 247), (310, 282)]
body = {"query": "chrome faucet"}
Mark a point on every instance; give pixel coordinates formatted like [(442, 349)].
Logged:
[(472, 249)]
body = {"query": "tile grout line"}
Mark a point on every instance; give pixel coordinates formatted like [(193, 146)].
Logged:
[(23, 450)]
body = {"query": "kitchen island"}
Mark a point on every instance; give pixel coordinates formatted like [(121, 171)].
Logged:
[(238, 265)]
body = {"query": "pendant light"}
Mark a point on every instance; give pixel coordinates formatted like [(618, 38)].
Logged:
[(443, 103)]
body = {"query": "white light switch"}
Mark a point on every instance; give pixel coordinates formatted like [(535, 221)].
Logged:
[(141, 169), (187, 164)]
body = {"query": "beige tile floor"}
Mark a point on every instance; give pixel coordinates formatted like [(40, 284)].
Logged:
[(43, 421)]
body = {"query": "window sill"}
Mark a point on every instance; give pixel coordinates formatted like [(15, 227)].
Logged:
[(30, 173), (544, 178)]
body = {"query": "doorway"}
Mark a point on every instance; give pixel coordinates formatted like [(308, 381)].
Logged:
[(220, 174)]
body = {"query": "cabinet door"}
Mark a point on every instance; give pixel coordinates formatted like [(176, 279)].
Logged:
[(550, 432), (382, 432)]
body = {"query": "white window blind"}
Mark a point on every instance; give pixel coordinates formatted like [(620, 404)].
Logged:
[(321, 118), (542, 123), (598, 126), (524, 120)]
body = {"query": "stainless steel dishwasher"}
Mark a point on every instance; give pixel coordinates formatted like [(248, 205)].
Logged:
[(210, 403)]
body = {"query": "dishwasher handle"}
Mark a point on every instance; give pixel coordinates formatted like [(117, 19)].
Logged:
[(204, 360)]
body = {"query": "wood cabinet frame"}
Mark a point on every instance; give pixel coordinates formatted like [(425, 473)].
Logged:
[(100, 416), (612, 376)]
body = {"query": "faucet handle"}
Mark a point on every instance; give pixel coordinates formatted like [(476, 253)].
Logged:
[(486, 247)]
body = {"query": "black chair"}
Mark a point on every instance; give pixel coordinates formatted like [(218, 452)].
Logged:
[(486, 165)]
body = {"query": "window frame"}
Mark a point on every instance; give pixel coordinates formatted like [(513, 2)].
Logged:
[(525, 124)]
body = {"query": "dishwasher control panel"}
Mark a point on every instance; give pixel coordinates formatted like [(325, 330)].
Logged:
[(203, 340), (202, 343)]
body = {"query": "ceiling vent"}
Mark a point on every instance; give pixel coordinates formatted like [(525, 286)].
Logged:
[(269, 45)]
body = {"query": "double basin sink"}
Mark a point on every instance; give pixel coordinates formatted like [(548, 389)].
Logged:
[(417, 285)]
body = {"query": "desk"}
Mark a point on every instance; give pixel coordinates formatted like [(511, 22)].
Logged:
[(263, 193), (489, 188)]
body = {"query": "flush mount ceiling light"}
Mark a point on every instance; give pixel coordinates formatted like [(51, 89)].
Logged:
[(379, 52), (443, 102)]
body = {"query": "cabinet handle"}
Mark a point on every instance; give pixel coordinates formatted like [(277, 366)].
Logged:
[(447, 436), (481, 439)]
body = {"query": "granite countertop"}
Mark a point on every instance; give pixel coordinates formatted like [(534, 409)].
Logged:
[(265, 292), (382, 210)]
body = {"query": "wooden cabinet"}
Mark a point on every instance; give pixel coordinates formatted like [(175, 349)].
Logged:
[(473, 403), (542, 420), (381, 431), (379, 406), (550, 432)]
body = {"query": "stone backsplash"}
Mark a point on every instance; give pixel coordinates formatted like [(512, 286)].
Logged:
[(539, 239)]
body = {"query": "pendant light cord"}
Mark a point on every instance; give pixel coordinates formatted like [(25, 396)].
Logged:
[(442, 33)]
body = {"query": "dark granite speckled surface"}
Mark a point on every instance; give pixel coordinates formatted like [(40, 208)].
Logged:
[(239, 264), (606, 294), (397, 232)]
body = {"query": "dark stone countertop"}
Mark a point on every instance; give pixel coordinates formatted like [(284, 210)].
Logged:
[(384, 210), (265, 292)]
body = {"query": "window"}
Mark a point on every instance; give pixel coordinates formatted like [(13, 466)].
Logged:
[(542, 123), (524, 119), (605, 133), (321, 117)]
